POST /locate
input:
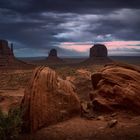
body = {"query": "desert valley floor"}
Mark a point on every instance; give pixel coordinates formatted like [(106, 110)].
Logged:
[(117, 125)]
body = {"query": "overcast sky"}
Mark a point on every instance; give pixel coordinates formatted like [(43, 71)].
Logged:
[(71, 26)]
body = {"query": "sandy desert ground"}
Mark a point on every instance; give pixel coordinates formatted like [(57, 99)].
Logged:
[(13, 83)]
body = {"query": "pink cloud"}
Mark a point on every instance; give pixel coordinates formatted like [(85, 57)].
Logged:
[(79, 47), (122, 44), (112, 45)]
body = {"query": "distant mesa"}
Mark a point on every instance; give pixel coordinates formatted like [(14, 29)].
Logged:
[(5, 51), (98, 50), (53, 57), (98, 54), (53, 53), (7, 58)]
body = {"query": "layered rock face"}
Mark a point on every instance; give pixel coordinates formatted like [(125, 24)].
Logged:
[(48, 99), (6, 54), (98, 50), (117, 87)]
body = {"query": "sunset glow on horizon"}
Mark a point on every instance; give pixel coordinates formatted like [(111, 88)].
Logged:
[(84, 47)]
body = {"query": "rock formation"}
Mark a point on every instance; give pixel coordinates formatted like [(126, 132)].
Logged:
[(7, 58), (98, 54), (117, 86), (82, 83), (48, 99), (53, 53), (53, 58), (98, 50), (6, 53)]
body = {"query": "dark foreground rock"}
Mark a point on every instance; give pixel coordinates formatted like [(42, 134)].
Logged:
[(117, 86), (48, 99)]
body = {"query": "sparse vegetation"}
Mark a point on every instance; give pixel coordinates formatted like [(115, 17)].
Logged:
[(66, 71), (14, 80), (10, 124)]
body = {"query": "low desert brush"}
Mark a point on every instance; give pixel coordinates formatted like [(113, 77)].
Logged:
[(10, 124)]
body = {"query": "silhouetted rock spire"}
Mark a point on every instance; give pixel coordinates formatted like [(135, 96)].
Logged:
[(7, 58), (5, 51)]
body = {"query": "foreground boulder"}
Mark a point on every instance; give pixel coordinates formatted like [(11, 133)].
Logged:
[(48, 99), (117, 86)]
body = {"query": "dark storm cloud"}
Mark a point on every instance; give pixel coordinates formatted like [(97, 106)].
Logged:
[(66, 5), (45, 24), (32, 30)]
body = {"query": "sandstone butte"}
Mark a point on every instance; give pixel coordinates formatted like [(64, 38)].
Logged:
[(98, 54), (7, 58), (53, 57)]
